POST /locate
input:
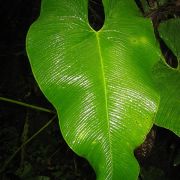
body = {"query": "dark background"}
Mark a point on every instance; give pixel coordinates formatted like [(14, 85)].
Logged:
[(47, 155)]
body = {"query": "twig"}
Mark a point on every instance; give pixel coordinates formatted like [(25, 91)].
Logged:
[(27, 105)]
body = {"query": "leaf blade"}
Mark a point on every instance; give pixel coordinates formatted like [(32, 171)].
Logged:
[(99, 82)]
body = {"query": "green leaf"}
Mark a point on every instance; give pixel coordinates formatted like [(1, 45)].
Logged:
[(99, 82), (168, 80), (169, 32)]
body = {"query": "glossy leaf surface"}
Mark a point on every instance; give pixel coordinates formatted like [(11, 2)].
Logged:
[(100, 82), (168, 79)]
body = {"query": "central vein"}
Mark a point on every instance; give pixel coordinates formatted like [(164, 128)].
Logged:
[(105, 98), (103, 76)]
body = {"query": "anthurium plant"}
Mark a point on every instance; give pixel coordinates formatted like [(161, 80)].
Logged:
[(108, 86)]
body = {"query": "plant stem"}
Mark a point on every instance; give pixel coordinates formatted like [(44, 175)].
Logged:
[(24, 138), (26, 142), (27, 105)]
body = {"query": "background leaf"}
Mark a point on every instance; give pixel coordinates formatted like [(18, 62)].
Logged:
[(169, 32), (168, 80)]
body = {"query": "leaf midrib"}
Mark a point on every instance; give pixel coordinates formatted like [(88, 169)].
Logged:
[(105, 95)]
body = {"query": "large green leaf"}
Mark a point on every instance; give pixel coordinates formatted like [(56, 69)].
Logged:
[(100, 82), (168, 79)]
